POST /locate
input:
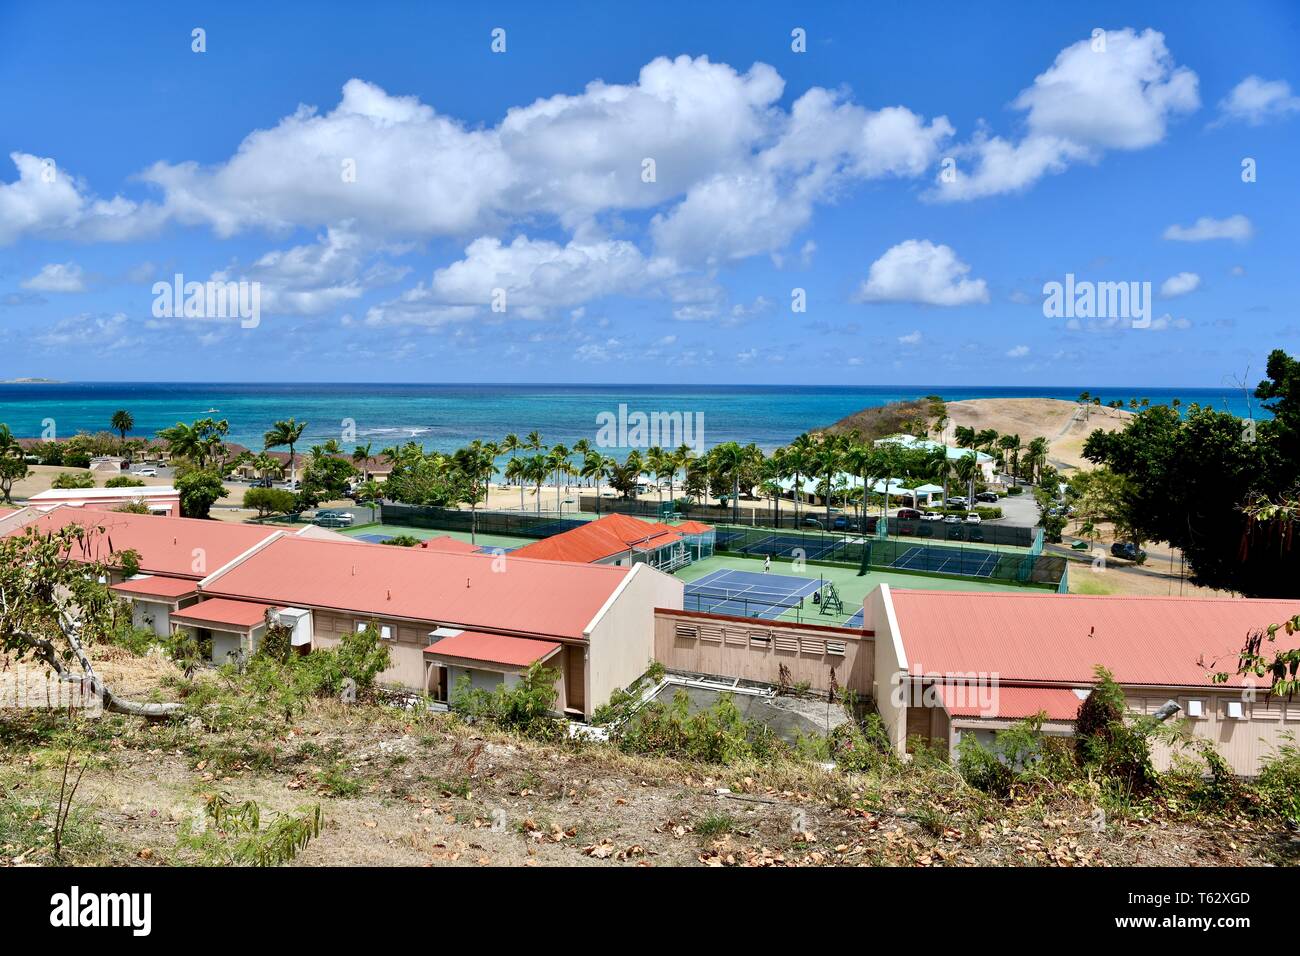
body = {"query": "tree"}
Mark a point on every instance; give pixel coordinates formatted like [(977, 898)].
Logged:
[(199, 490), (285, 432), (327, 477), (827, 462), (369, 493), (51, 604), (1195, 480), (727, 459), (13, 463), (123, 481), (595, 466), (475, 465), (122, 422), (73, 479), (269, 501), (199, 442), (512, 445), (361, 455)]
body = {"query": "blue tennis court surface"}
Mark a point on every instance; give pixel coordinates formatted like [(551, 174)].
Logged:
[(975, 564), (374, 538), (855, 620), (788, 545), (747, 593)]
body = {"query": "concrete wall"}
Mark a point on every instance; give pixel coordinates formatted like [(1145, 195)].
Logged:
[(889, 662), (753, 649), (621, 642), (154, 616)]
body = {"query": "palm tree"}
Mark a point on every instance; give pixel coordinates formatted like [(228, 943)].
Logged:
[(1036, 458), (513, 445), (122, 422), (369, 492), (826, 462), (476, 464), (965, 436), (773, 471), (967, 468), (517, 470), (536, 468), (197, 442), (559, 459), (656, 460), (798, 456), (1010, 445), (986, 439), (286, 432), (361, 456), (681, 459), (727, 460), (595, 466)]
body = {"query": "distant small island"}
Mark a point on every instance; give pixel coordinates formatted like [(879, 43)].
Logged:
[(30, 381)]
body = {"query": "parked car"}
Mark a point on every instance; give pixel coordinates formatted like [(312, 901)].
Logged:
[(952, 519), (908, 514), (1127, 550), (931, 516), (988, 497), (262, 483), (959, 501), (146, 473), (973, 517), (331, 518), (813, 523)]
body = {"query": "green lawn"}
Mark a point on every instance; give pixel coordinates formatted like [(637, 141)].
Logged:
[(852, 588)]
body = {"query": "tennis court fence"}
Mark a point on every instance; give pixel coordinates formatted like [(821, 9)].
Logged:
[(906, 552), (519, 524)]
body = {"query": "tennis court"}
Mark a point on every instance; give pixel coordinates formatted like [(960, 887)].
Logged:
[(789, 545), (856, 619), (748, 593), (975, 564)]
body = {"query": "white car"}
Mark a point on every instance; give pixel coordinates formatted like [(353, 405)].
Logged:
[(951, 519), (146, 473), (931, 516), (972, 518)]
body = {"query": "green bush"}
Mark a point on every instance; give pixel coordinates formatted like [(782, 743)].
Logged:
[(527, 707), (76, 459), (123, 481), (73, 479), (403, 541), (1278, 783), (716, 735), (1015, 490), (269, 501)]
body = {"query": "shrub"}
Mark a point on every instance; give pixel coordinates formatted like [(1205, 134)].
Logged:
[(403, 541), (716, 735), (123, 481), (1015, 490), (1278, 784), (72, 479), (76, 459), (1105, 742), (526, 707), (269, 501)]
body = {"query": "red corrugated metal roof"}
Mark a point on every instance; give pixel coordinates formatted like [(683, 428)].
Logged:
[(449, 544), (1060, 638), (157, 586), (492, 648), (459, 590), (600, 539), (222, 611), (1008, 702), (693, 527), (180, 547)]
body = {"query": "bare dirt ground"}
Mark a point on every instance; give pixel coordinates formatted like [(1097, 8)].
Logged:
[(1066, 425), (404, 788)]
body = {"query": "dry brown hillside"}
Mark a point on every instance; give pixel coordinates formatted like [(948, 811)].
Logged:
[(1066, 425)]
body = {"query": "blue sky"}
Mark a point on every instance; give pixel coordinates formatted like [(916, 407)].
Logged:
[(414, 206)]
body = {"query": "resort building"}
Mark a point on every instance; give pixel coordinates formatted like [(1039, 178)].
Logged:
[(501, 613), (983, 459), (159, 499), (951, 663), (622, 540)]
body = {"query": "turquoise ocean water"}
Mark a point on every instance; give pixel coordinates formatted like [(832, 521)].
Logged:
[(445, 417)]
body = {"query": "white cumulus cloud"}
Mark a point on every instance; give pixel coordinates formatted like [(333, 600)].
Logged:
[(57, 277), (1236, 228), (1180, 284), (1256, 101), (920, 271)]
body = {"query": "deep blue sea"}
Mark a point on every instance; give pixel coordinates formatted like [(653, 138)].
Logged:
[(445, 417)]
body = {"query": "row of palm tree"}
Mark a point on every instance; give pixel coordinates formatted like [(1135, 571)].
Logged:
[(1007, 450)]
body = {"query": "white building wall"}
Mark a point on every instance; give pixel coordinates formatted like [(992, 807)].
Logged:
[(621, 643)]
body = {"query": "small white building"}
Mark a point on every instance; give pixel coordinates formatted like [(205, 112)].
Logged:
[(155, 598), (160, 499)]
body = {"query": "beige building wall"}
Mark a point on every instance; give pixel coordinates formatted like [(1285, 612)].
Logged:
[(890, 661), (405, 646), (754, 649), (1245, 742), (621, 638)]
